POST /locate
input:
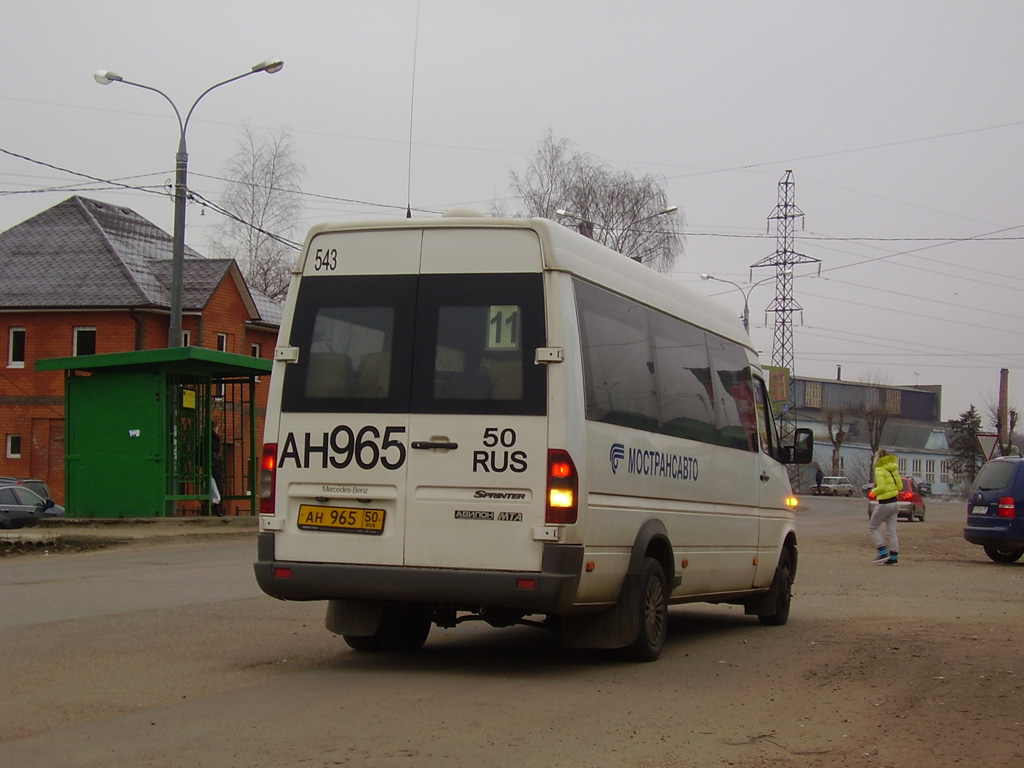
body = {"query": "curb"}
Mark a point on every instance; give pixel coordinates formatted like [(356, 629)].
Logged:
[(77, 534)]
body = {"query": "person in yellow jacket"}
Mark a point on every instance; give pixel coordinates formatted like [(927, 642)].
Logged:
[(888, 485)]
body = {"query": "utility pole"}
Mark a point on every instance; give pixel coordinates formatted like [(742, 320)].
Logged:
[(784, 305)]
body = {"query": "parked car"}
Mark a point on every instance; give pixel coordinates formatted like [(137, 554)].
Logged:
[(909, 502), (41, 488), (835, 486), (995, 509), (925, 488), (20, 507), (26, 497)]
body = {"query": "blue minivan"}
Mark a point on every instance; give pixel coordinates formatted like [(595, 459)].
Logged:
[(995, 509)]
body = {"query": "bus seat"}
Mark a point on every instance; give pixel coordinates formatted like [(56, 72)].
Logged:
[(329, 375), (506, 378), (374, 375)]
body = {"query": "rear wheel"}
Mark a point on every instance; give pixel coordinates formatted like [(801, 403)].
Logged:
[(1004, 554), (776, 612), (653, 613)]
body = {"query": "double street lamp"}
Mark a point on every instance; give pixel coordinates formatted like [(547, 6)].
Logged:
[(746, 293), (103, 77)]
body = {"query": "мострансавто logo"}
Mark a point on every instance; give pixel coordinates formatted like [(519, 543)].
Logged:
[(615, 455), (653, 463)]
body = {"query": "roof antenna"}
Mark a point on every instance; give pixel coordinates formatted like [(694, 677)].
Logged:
[(412, 103)]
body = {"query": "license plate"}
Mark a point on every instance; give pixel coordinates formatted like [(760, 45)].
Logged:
[(981, 509), (343, 519)]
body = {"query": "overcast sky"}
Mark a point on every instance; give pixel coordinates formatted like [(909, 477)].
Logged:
[(901, 121)]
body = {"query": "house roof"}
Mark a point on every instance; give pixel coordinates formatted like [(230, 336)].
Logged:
[(900, 434), (87, 254)]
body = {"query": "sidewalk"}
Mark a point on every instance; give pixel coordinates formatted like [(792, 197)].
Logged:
[(76, 534)]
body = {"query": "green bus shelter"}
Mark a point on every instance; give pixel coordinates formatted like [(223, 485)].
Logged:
[(146, 432)]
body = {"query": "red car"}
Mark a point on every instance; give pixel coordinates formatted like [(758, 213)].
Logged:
[(910, 502)]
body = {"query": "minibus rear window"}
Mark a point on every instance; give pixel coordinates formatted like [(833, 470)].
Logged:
[(354, 335), (420, 344)]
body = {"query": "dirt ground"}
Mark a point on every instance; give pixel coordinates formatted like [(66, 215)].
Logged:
[(918, 665), (908, 666)]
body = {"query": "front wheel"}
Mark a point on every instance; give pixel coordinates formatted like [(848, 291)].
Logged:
[(1004, 554), (776, 611), (653, 613)]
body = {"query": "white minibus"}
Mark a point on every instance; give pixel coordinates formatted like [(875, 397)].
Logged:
[(500, 419)]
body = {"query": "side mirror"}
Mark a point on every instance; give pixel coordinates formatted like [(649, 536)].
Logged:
[(48, 504), (803, 447)]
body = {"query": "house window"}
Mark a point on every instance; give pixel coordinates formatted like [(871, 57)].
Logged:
[(16, 348), (915, 468), (256, 349), (946, 471), (222, 342), (929, 471), (84, 342), (812, 394), (186, 338), (14, 446)]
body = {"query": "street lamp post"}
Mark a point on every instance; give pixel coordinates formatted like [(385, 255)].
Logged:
[(103, 77), (746, 293)]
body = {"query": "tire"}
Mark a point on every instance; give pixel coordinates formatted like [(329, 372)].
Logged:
[(781, 593), (362, 642), (921, 516), (653, 606), (402, 629), (1004, 554)]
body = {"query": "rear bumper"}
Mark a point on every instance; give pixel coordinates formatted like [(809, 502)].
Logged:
[(993, 536), (552, 590)]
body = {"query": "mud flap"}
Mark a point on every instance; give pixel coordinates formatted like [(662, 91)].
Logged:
[(762, 604), (615, 628), (359, 618)]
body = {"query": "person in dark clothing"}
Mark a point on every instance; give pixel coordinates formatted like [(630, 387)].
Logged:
[(216, 474)]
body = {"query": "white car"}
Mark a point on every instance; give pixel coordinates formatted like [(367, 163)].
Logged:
[(835, 486)]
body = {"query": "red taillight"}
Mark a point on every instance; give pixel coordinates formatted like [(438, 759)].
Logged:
[(906, 496), (1007, 507), (562, 504), (871, 495), (268, 478)]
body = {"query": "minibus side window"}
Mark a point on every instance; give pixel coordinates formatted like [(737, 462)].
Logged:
[(618, 364), (734, 394), (683, 375), (766, 427)]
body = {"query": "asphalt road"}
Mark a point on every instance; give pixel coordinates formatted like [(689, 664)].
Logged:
[(168, 655)]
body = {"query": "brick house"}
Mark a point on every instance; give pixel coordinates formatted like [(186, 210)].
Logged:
[(87, 277)]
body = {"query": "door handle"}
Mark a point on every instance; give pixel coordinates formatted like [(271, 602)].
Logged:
[(764, 477), (426, 445)]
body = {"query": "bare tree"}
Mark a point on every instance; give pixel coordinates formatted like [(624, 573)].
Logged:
[(875, 413), (1012, 418), (625, 212), (837, 435), (263, 208)]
